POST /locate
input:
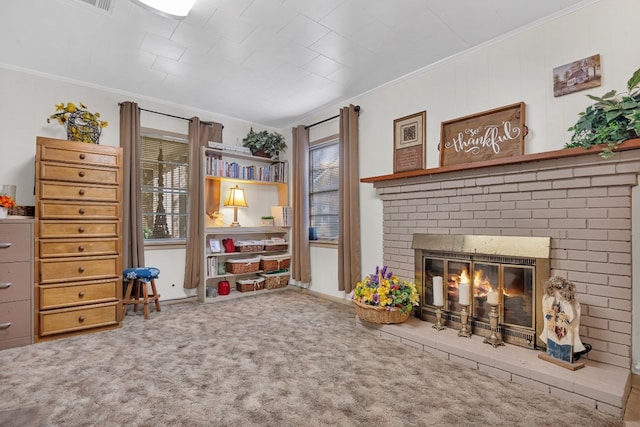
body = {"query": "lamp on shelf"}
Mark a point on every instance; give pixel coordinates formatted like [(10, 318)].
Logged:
[(169, 8), (235, 200)]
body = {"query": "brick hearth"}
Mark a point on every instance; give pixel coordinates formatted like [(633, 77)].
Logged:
[(580, 200)]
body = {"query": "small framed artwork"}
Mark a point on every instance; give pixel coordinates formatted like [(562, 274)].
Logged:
[(578, 75), (409, 138), (214, 245)]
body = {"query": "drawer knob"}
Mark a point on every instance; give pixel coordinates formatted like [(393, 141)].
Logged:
[(81, 269), (81, 174), (82, 156), (81, 211), (5, 325), (80, 229), (81, 192), (5, 285), (81, 294), (81, 319), (5, 245), (80, 248)]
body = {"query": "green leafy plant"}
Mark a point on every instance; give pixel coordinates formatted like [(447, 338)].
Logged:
[(613, 118), (266, 217), (270, 143)]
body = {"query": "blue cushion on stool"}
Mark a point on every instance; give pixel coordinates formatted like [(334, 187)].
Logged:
[(141, 273)]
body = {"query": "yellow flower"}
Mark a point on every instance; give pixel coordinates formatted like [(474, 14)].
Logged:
[(81, 124)]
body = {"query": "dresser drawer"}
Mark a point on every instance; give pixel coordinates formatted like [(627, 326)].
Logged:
[(54, 270), (15, 281), (76, 153), (75, 247), (82, 174), (78, 318), (15, 323), (60, 229), (57, 296), (77, 210), (15, 242), (51, 190)]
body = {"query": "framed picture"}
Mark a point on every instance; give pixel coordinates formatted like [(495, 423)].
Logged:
[(409, 138), (578, 75), (214, 245)]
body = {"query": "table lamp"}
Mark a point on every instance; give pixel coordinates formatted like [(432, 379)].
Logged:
[(235, 199)]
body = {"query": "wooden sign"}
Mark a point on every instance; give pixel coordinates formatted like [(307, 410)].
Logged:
[(489, 135), (409, 136)]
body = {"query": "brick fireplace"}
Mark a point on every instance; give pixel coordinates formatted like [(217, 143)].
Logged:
[(579, 200)]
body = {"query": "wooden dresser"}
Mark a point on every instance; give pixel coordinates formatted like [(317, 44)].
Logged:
[(78, 244), (16, 282)]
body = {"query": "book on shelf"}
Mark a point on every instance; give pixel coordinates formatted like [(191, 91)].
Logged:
[(212, 266), (281, 216), (276, 172)]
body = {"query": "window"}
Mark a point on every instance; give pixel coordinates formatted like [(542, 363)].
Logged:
[(165, 171), (324, 165)]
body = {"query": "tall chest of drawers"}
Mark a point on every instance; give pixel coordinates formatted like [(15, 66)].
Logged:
[(78, 243), (16, 282)]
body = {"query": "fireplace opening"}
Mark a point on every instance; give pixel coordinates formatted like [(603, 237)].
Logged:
[(513, 267)]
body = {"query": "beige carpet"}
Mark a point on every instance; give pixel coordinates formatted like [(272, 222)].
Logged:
[(279, 359)]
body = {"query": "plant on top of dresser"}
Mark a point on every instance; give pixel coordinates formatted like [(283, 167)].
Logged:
[(611, 120), (81, 124), (264, 143)]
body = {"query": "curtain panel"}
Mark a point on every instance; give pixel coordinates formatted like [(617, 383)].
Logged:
[(349, 251), (132, 237), (301, 257), (200, 133)]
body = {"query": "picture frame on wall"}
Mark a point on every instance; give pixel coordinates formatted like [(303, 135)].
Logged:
[(585, 73), (409, 142)]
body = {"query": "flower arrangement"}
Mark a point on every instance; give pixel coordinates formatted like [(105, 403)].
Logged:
[(81, 124), (6, 201), (383, 289)]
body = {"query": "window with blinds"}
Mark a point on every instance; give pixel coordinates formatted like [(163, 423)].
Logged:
[(164, 165), (324, 164)]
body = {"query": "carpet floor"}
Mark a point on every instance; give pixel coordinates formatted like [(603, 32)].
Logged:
[(277, 359)]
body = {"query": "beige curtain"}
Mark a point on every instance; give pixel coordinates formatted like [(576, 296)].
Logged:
[(132, 238), (301, 258), (349, 254), (200, 133)]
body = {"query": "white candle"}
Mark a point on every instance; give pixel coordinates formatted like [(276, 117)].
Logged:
[(438, 291), (463, 293), (493, 298)]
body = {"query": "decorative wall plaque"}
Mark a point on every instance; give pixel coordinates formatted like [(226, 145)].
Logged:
[(409, 142), (489, 135)]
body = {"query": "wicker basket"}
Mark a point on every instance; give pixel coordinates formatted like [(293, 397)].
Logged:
[(22, 211), (377, 314), (248, 265), (251, 284), (249, 246), (276, 280), (274, 262), (270, 245)]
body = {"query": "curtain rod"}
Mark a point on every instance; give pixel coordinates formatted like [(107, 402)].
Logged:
[(330, 118), (171, 115)]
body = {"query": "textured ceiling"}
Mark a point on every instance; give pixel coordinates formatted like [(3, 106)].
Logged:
[(265, 61)]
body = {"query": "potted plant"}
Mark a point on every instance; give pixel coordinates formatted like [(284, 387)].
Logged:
[(81, 124), (6, 202), (383, 298), (267, 220), (264, 143), (613, 118)]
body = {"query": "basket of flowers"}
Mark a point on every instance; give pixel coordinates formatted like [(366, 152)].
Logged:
[(383, 298)]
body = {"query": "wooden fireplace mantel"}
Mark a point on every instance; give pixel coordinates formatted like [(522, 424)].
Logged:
[(631, 144)]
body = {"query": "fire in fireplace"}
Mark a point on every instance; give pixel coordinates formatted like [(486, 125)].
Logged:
[(514, 268)]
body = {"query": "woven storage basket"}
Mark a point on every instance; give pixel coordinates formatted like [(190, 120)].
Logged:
[(274, 262), (22, 211), (249, 245), (275, 246), (276, 280), (248, 265), (377, 314), (251, 284)]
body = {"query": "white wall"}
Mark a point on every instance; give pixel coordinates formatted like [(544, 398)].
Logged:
[(27, 101), (516, 68)]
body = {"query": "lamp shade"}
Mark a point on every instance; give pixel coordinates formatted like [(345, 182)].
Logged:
[(170, 8), (235, 198)]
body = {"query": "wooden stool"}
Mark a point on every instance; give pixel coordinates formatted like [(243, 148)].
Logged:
[(137, 279)]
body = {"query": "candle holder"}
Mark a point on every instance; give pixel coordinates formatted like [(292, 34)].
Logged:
[(465, 331), (439, 324), (494, 339)]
